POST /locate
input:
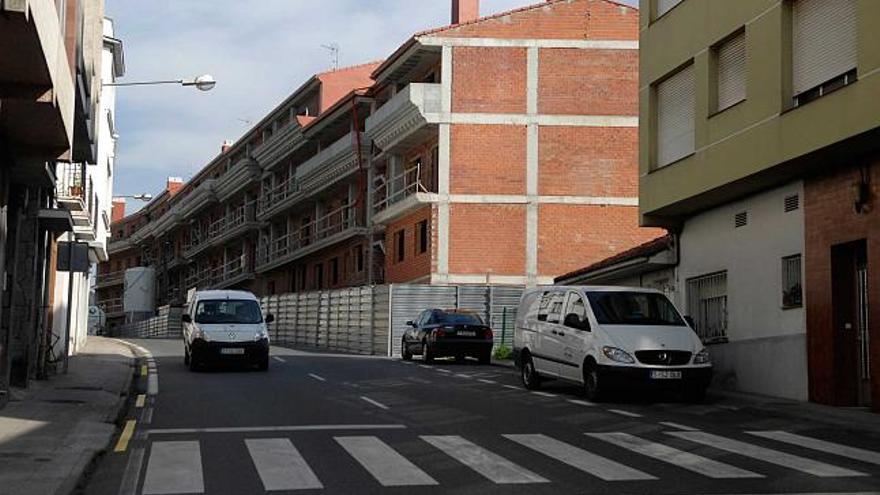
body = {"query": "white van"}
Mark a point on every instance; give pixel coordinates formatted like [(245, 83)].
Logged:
[(608, 338), (225, 325)]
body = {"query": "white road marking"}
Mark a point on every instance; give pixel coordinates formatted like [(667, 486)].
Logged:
[(375, 403), (441, 370), (128, 486), (280, 465), (407, 362), (587, 462), (581, 402), (316, 377), (821, 445), (153, 384), (544, 394), (511, 386), (384, 463), (625, 413), (678, 426), (492, 466), (462, 376), (797, 463), (279, 359), (260, 429), (680, 458), (483, 380), (425, 366), (174, 467)]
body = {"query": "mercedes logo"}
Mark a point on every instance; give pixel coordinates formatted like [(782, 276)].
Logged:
[(232, 335), (663, 357)]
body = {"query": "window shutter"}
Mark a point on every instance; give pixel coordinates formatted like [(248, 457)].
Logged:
[(824, 43), (731, 72), (664, 6), (675, 117)]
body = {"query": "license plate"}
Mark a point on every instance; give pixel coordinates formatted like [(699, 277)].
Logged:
[(666, 375), (232, 350), (466, 333)]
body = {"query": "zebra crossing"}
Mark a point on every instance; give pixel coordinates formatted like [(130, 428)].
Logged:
[(176, 466)]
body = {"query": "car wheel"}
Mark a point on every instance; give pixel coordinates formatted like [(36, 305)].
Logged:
[(185, 356), (404, 351), (427, 355), (530, 377), (592, 387), (193, 361), (486, 357), (263, 364)]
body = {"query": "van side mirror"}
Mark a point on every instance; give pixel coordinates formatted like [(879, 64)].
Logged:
[(186, 318), (270, 318), (690, 321), (410, 323), (572, 320)]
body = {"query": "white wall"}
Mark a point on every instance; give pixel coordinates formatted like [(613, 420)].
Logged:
[(102, 172), (767, 349)]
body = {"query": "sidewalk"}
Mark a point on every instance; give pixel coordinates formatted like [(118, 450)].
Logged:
[(50, 434)]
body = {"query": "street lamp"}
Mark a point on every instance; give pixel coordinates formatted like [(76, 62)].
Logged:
[(205, 82), (142, 196)]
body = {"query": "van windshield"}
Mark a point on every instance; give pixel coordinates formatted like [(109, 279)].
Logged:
[(633, 308), (228, 311)]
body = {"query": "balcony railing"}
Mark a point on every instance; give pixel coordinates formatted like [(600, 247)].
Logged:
[(223, 228), (110, 278), (111, 306), (309, 237), (75, 191), (397, 188), (273, 198)]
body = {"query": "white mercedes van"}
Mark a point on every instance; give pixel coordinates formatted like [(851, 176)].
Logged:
[(225, 325), (608, 338)]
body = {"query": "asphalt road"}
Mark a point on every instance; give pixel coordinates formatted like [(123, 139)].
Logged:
[(319, 423)]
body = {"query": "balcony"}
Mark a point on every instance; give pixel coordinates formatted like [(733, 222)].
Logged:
[(282, 143), (400, 194), (336, 226), (75, 192), (112, 307), (242, 174), (119, 245), (333, 163), (237, 223), (166, 222), (236, 271), (110, 279), (406, 119), (197, 199), (279, 198)]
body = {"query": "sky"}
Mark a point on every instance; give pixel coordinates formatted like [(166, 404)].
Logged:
[(259, 51)]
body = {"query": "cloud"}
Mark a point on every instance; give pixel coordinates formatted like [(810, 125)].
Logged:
[(259, 51)]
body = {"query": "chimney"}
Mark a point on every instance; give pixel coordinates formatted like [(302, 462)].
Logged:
[(117, 211), (173, 185), (465, 11), (225, 146)]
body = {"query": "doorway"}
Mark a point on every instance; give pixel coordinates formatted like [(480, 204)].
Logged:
[(849, 280)]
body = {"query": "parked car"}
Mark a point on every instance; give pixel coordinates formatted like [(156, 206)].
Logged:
[(447, 332), (608, 338), (226, 325)]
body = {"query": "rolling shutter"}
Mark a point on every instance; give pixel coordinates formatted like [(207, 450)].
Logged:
[(824, 43), (731, 72), (664, 6), (675, 117)]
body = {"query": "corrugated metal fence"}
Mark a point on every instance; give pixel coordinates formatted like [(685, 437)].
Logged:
[(372, 320), (166, 325)]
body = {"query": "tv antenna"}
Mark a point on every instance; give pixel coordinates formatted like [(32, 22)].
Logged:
[(333, 48)]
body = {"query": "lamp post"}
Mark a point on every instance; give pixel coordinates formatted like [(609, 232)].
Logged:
[(146, 197), (205, 82)]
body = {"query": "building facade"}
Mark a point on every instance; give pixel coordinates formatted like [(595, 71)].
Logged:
[(50, 66), (759, 152), (420, 168)]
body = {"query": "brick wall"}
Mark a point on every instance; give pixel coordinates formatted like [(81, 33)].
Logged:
[(415, 265), (588, 161), (574, 236), (489, 80), (604, 82), (488, 159), (487, 238), (830, 220)]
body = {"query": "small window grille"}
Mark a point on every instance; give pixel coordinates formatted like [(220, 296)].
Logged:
[(792, 203), (707, 304), (741, 219), (792, 288)]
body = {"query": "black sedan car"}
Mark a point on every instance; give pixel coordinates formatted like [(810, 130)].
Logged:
[(445, 333)]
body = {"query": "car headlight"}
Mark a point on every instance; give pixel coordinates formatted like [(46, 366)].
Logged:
[(702, 357), (198, 333), (619, 355), (261, 334)]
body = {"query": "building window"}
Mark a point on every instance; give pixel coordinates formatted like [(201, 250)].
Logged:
[(824, 52), (319, 276), (664, 6), (334, 271), (730, 66), (676, 105), (400, 243), (422, 234), (792, 289), (707, 304), (359, 258)]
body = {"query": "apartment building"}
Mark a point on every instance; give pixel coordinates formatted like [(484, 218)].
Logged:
[(50, 62), (760, 151), (420, 168)]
